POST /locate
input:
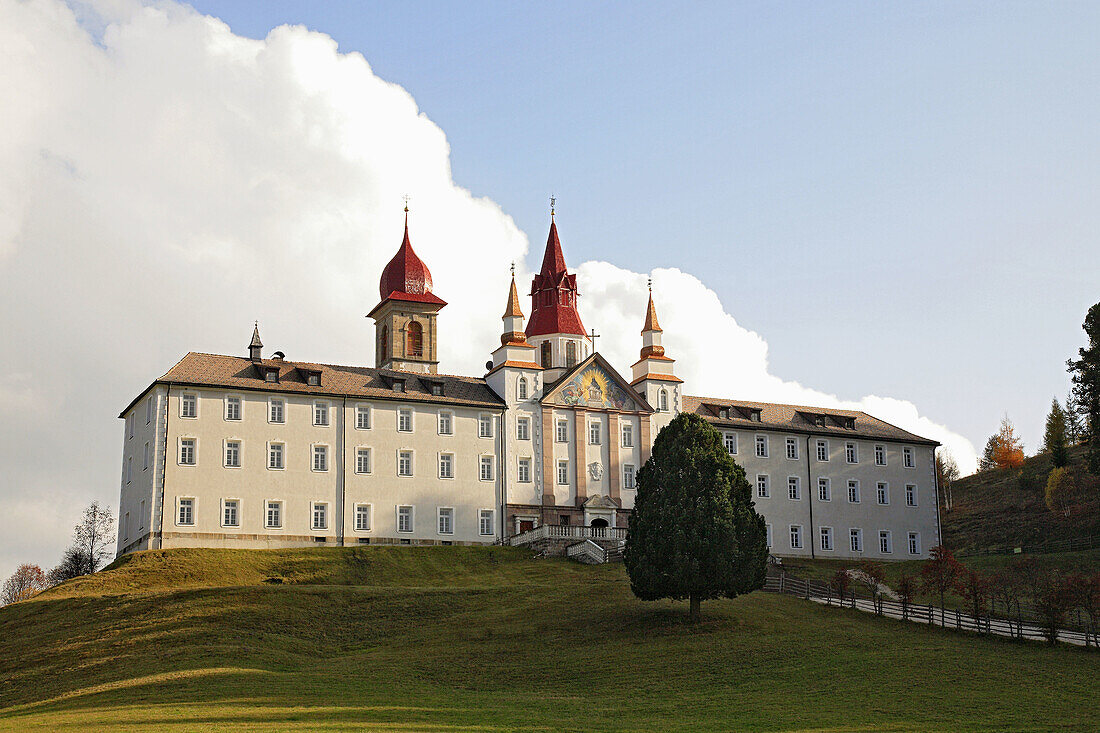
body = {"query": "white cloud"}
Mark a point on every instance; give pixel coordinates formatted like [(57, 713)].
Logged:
[(164, 182)]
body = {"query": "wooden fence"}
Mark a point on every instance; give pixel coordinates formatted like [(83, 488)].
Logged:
[(1018, 628)]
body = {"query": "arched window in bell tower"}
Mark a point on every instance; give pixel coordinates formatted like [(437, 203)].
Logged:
[(662, 401), (570, 353), (415, 345), (544, 354), (383, 344)]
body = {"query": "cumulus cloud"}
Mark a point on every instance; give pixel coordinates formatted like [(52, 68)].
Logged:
[(164, 182)]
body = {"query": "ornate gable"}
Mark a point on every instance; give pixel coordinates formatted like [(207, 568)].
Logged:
[(594, 384)]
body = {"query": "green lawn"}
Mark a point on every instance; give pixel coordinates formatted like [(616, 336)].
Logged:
[(434, 639)]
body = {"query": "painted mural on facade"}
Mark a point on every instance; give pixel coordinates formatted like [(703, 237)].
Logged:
[(594, 388)]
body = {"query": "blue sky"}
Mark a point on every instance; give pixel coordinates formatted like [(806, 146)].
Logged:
[(899, 197)]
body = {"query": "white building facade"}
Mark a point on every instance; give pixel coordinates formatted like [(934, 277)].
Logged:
[(254, 452)]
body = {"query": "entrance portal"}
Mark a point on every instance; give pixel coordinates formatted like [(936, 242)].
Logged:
[(599, 523)]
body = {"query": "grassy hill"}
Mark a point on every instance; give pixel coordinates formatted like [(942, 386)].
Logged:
[(434, 639), (1007, 507)]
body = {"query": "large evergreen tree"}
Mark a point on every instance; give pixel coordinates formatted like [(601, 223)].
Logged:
[(1086, 385), (1054, 437), (694, 533)]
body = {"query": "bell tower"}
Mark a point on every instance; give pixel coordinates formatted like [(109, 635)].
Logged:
[(405, 320)]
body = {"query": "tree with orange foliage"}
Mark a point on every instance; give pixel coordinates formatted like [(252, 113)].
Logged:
[(24, 583), (1007, 448), (939, 574)]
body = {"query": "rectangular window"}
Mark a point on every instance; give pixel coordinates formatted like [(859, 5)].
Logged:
[(233, 454), (855, 540), (884, 542), (362, 460), (794, 490), (320, 458), (907, 454), (525, 470), (827, 538), (187, 452), (628, 476), (276, 411), (792, 449), (796, 537), (404, 421), (232, 408), (446, 520), (883, 493), (823, 450), (446, 423), (130, 430), (485, 522), (274, 518), (628, 436), (853, 491), (320, 516), (320, 414), (148, 410), (230, 514), (562, 435), (594, 433), (914, 543), (145, 458), (129, 469), (362, 517), (189, 405), (275, 455), (523, 428), (880, 455), (729, 440), (187, 512), (910, 495), (563, 472), (850, 453), (404, 519), (446, 465), (768, 527), (762, 486), (761, 446), (486, 471), (405, 463), (824, 489), (362, 417), (485, 426)]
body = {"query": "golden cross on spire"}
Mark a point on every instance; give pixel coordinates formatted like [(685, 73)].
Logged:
[(513, 268), (649, 283), (553, 201), (406, 197)]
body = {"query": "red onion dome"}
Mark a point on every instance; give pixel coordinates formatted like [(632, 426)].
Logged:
[(406, 273)]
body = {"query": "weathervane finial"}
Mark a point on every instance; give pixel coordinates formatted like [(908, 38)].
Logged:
[(649, 283), (553, 201), (406, 197), (513, 268)]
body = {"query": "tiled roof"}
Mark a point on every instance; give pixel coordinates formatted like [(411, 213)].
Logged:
[(797, 418), (232, 372)]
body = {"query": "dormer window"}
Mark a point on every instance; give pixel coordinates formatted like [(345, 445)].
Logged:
[(314, 380), (754, 415), (724, 413), (819, 421), (271, 374), (436, 388), (399, 385)]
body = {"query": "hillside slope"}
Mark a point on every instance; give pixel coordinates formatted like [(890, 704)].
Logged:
[(1007, 508), (429, 639)]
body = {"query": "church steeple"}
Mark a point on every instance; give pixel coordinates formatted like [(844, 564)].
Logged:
[(406, 318), (651, 330), (653, 375), (554, 293)]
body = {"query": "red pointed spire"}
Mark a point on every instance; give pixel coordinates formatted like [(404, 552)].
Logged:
[(554, 293), (553, 261)]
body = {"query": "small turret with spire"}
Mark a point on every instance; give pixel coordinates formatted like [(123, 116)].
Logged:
[(653, 376), (256, 345)]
